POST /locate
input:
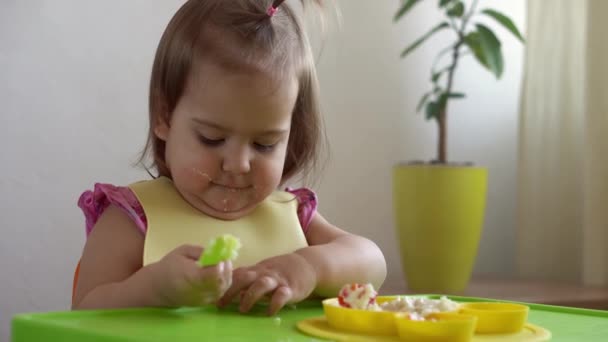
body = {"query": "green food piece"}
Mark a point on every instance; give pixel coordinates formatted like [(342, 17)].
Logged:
[(221, 248)]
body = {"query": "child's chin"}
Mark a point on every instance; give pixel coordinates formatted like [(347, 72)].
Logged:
[(229, 214)]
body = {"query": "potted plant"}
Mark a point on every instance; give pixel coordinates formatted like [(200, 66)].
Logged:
[(440, 205)]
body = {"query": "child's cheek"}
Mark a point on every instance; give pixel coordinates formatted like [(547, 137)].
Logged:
[(198, 174), (193, 177)]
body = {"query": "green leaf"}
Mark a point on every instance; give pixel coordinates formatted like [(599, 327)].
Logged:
[(457, 10), (405, 7), (443, 3), (490, 48), (443, 101), (472, 40), (421, 40), (456, 95), (436, 76), (422, 102), (504, 21), (432, 110)]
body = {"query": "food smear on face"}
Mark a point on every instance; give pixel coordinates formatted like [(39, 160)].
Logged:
[(202, 174)]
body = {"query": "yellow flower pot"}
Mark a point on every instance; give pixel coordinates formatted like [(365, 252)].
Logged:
[(439, 211)]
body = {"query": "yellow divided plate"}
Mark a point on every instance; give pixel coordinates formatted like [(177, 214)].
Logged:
[(318, 327)]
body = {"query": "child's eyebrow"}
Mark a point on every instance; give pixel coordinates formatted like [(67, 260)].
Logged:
[(269, 132), (209, 124)]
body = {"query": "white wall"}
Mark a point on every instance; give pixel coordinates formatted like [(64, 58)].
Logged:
[(370, 97), (73, 88)]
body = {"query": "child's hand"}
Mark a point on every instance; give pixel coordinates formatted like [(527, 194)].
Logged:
[(180, 281), (285, 279)]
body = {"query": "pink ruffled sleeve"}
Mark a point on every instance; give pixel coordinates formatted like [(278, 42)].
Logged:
[(307, 205), (94, 203)]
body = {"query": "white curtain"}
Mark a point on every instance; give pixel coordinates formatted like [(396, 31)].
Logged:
[(563, 170)]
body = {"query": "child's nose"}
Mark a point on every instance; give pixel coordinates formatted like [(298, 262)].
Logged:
[(237, 160)]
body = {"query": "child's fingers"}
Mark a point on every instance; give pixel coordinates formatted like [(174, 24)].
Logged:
[(281, 296), (207, 298), (241, 279), (256, 291), (226, 277), (211, 282), (222, 277), (210, 276), (189, 251)]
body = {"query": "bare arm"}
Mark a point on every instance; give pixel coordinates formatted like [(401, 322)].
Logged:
[(332, 259), (111, 273), (340, 258), (112, 276)]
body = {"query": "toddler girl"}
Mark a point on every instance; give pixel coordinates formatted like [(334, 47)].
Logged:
[(234, 114)]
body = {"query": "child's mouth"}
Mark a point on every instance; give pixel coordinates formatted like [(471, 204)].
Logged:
[(232, 188), (228, 199)]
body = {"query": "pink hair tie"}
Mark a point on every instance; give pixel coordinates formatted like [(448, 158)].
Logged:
[(271, 11)]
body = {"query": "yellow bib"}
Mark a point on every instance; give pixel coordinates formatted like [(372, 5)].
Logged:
[(272, 229)]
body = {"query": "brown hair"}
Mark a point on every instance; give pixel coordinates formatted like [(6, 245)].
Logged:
[(240, 35)]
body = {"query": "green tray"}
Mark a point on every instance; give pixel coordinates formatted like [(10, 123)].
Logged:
[(209, 323)]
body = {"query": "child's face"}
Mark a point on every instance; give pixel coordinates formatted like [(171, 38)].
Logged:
[(227, 139)]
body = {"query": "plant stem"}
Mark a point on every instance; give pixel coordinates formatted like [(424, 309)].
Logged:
[(438, 58), (441, 147), (442, 119)]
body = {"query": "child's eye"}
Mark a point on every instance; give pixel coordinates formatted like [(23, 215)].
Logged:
[(264, 147), (210, 142)]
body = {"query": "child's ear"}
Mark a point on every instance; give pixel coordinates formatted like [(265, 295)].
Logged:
[(161, 129)]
